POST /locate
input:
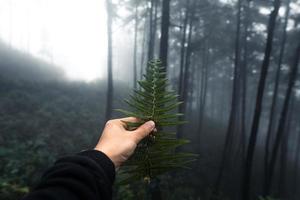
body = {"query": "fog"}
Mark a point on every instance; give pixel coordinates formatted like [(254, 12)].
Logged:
[(70, 34), (66, 65)]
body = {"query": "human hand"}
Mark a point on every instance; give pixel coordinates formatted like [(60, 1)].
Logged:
[(118, 143)]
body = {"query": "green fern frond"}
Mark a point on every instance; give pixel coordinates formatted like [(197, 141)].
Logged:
[(155, 154)]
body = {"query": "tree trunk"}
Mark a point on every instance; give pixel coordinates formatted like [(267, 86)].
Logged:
[(143, 49), (191, 99), (154, 31), (203, 88), (182, 64), (164, 40), (135, 46), (296, 166), (282, 119), (258, 104), (274, 99), (244, 73), (151, 38), (234, 102), (182, 107), (109, 93), (284, 152), (182, 51)]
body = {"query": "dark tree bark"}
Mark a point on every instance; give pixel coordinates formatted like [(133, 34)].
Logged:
[(182, 64), (183, 50), (284, 152), (154, 35), (135, 46), (234, 102), (164, 40), (182, 107), (151, 30), (282, 119), (203, 86), (296, 166), (272, 113), (244, 79), (258, 104), (109, 93)]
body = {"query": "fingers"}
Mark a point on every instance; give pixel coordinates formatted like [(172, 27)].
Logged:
[(130, 119), (140, 132), (143, 131), (122, 121)]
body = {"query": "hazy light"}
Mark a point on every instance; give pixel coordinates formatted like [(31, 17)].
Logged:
[(265, 11), (69, 33)]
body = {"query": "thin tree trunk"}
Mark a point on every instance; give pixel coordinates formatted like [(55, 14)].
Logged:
[(154, 31), (244, 79), (143, 50), (186, 76), (272, 113), (203, 89), (282, 119), (258, 105), (135, 46), (182, 63), (182, 51), (234, 101), (296, 166), (284, 152), (191, 88), (109, 93), (164, 40), (151, 38)]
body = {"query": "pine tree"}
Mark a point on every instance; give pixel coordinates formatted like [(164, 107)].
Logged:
[(157, 153)]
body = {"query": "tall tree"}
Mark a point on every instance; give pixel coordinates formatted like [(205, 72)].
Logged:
[(203, 86), (143, 48), (135, 45), (186, 76), (235, 99), (283, 117), (152, 28), (272, 113), (258, 104), (244, 72), (109, 93), (183, 48), (284, 150), (182, 61), (164, 39), (296, 164)]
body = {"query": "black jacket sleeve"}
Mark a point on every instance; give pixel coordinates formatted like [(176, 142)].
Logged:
[(88, 175)]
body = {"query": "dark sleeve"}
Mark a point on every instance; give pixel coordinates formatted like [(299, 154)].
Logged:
[(88, 175)]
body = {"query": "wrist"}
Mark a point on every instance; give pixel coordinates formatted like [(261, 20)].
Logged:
[(102, 160), (109, 155)]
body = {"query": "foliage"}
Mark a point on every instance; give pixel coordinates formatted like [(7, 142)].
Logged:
[(156, 154), (11, 191), (267, 198), (41, 121)]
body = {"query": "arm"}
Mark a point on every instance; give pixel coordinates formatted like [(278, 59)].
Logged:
[(90, 174)]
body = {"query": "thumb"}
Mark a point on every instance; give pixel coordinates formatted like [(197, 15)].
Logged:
[(143, 131)]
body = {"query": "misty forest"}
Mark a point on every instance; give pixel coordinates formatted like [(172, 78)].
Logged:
[(233, 63)]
